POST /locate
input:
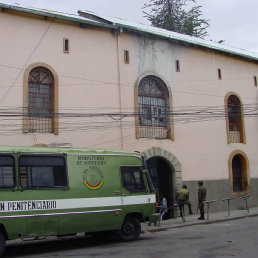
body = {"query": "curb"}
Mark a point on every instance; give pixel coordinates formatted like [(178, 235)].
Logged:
[(164, 228)]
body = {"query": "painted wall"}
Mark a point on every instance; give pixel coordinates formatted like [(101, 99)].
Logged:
[(201, 147), (87, 78)]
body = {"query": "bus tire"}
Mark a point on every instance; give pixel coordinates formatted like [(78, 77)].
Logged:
[(2, 243), (130, 230)]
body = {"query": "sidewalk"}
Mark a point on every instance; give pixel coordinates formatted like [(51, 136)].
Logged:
[(191, 220)]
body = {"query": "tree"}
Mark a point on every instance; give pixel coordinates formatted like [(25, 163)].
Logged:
[(173, 15)]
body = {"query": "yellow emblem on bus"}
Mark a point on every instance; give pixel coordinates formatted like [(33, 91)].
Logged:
[(93, 178)]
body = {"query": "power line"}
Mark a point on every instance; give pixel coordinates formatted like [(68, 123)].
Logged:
[(196, 107), (87, 122), (20, 111)]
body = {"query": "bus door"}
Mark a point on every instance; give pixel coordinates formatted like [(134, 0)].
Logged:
[(134, 190)]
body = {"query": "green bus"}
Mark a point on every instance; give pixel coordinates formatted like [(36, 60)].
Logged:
[(59, 191)]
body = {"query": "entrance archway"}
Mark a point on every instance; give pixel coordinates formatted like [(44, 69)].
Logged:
[(162, 177), (166, 174)]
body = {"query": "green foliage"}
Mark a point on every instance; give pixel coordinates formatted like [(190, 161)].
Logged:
[(173, 15)]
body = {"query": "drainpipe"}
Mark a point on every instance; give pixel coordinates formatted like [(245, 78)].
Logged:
[(119, 87)]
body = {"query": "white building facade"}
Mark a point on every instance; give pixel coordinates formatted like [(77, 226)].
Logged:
[(86, 81)]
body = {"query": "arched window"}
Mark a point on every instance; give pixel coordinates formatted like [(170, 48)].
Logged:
[(40, 100), (239, 175), (153, 108), (237, 169), (235, 120)]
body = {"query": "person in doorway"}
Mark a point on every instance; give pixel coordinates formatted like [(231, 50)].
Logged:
[(201, 198), (182, 198), (163, 207)]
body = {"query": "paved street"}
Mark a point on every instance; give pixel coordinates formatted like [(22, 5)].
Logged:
[(231, 238)]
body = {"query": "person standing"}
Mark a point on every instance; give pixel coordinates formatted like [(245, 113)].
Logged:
[(182, 198), (163, 207), (201, 198)]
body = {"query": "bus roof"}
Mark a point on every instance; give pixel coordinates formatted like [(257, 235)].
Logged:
[(52, 150)]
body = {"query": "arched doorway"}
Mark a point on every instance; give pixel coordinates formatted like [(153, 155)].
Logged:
[(165, 170), (161, 173)]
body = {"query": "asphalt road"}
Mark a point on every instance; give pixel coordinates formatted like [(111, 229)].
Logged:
[(236, 238)]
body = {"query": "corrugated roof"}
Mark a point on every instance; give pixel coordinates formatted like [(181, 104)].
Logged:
[(117, 23)]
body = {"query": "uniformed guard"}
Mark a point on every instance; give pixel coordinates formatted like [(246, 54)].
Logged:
[(182, 198), (201, 198)]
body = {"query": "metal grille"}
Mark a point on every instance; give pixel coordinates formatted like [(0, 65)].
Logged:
[(237, 174), (234, 118), (40, 100), (153, 108)]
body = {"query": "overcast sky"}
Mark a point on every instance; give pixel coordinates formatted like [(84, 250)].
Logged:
[(234, 21)]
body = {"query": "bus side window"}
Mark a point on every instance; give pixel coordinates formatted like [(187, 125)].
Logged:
[(42, 172), (132, 179), (7, 172)]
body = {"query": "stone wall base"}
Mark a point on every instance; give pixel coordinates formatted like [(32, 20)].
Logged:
[(219, 189)]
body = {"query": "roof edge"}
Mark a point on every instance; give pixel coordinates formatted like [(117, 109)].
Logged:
[(163, 33), (60, 16), (93, 19)]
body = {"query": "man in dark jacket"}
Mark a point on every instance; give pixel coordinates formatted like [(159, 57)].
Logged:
[(201, 198)]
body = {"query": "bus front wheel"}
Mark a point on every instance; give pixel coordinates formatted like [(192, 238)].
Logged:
[(130, 230)]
